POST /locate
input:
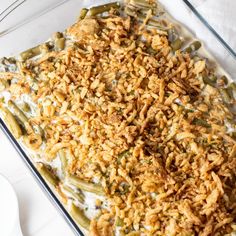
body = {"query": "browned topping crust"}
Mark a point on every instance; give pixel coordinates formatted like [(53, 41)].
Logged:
[(137, 118)]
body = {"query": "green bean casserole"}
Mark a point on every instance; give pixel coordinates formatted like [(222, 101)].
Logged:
[(129, 123)]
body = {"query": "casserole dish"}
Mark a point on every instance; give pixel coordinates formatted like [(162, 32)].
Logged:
[(197, 67)]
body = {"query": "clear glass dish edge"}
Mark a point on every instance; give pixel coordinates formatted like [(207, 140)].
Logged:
[(39, 179)]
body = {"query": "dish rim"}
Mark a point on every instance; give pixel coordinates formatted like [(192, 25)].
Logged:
[(38, 177)]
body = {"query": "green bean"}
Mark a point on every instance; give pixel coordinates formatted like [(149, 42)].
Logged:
[(11, 122), (12, 60), (196, 58), (130, 12), (20, 67), (48, 174), (23, 118), (151, 51), (119, 222), (83, 13), (172, 36), (60, 43), (63, 160), (25, 107), (222, 81), (124, 153), (57, 35), (2, 60), (201, 122), (193, 47), (8, 64), (76, 195), (141, 15), (8, 61), (145, 11), (32, 52), (230, 93), (81, 184), (153, 22), (79, 216), (209, 80), (36, 50), (226, 95), (176, 44), (17, 112), (103, 8), (232, 86), (4, 84), (233, 135), (141, 3)]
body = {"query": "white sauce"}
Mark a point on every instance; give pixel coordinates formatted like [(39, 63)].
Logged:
[(89, 205), (6, 95)]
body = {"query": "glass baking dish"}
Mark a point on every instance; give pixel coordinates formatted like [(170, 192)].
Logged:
[(41, 20)]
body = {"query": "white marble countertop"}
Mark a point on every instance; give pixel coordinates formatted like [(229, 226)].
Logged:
[(37, 215)]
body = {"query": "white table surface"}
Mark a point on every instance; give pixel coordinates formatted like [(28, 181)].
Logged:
[(37, 215)]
